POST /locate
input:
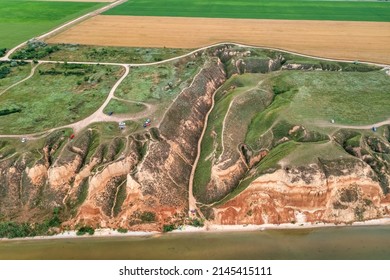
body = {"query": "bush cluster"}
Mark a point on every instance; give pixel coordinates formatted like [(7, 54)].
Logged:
[(84, 230), (35, 50), (14, 230), (3, 51), (4, 71)]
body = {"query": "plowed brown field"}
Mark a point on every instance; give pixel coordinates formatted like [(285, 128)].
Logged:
[(366, 41)]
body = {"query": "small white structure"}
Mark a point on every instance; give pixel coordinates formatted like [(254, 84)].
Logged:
[(122, 125), (332, 120), (23, 140)]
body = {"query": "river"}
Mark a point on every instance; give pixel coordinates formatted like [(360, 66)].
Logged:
[(357, 242)]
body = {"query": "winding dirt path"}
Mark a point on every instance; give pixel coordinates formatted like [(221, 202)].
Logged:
[(21, 81), (363, 127), (99, 116), (149, 107), (227, 113), (191, 199)]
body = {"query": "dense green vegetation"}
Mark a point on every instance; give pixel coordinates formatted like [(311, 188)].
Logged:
[(3, 51), (84, 230), (148, 217), (13, 230), (22, 19), (262, 9), (56, 95), (17, 72), (75, 52), (4, 71), (35, 50), (6, 68), (168, 228), (122, 230)]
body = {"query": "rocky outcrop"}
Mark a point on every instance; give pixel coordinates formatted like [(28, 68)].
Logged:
[(140, 188), (308, 194)]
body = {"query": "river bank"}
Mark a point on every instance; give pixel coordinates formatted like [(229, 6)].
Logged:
[(208, 228), (336, 242)]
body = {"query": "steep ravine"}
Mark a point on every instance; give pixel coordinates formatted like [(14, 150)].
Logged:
[(140, 181), (140, 190)]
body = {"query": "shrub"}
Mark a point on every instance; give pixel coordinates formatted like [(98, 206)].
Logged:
[(3, 51), (197, 223), (13, 230), (84, 230), (7, 111), (4, 71), (167, 228), (349, 195), (148, 217), (122, 230)]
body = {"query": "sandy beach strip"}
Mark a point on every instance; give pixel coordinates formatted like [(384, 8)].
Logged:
[(209, 228)]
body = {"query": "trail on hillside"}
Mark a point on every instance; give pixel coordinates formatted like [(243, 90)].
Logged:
[(21, 81)]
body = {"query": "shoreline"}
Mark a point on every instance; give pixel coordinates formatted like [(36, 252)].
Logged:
[(210, 228)]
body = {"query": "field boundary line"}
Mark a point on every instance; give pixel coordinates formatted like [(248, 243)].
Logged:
[(67, 24)]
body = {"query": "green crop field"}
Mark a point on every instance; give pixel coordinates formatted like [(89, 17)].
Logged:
[(259, 9), (21, 20)]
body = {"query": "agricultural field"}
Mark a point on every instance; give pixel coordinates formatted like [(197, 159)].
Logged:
[(96, 1), (22, 19), (56, 95), (255, 9), (331, 39)]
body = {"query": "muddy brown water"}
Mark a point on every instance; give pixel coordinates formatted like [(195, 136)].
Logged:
[(371, 242)]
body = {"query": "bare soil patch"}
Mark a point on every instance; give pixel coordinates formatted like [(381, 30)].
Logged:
[(366, 41)]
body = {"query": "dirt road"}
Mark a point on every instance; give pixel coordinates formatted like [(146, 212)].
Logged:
[(21, 81), (64, 26)]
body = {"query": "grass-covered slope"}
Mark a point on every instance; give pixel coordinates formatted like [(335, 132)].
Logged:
[(263, 9), (56, 95), (262, 122), (22, 20)]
